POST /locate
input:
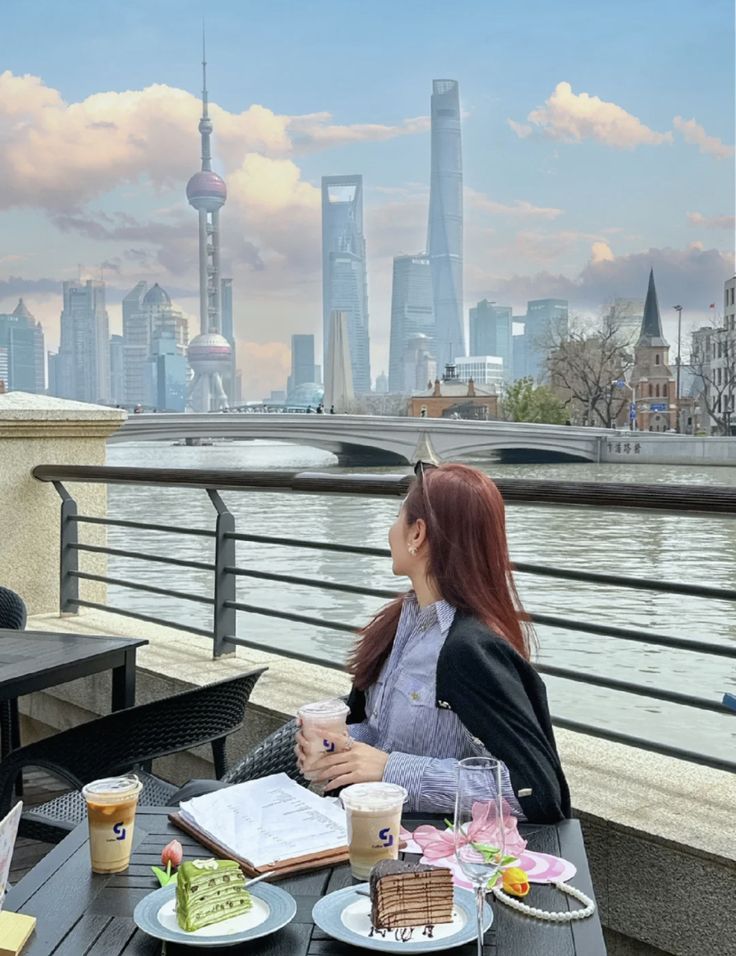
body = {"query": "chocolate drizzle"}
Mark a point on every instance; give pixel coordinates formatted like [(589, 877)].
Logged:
[(408, 896)]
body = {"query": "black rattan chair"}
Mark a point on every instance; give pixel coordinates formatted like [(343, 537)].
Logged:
[(12, 616), (275, 754), (124, 741)]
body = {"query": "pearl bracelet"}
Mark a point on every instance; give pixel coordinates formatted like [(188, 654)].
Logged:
[(565, 917)]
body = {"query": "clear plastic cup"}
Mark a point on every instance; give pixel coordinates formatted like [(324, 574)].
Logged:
[(319, 719), (111, 806), (373, 813)]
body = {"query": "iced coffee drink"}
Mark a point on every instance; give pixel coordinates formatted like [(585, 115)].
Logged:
[(373, 812), (111, 806), (326, 717)]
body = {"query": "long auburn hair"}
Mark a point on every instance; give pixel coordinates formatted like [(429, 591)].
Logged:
[(468, 563)]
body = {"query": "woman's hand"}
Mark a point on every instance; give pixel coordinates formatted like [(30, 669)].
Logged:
[(357, 763)]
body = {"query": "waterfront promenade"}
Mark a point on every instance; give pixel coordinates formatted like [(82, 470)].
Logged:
[(670, 816)]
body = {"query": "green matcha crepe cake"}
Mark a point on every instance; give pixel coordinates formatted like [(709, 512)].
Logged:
[(208, 891)]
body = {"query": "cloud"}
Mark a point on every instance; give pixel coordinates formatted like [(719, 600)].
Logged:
[(519, 209), (316, 131), (601, 252), (694, 134), (711, 222), (693, 277), (58, 155), (522, 130), (574, 117), (16, 285)]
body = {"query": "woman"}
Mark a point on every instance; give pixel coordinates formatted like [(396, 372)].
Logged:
[(442, 672)]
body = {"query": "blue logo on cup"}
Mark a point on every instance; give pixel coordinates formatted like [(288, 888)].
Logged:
[(119, 831), (329, 746), (386, 837)]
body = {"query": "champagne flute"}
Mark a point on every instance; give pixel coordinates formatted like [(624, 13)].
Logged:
[(479, 844)]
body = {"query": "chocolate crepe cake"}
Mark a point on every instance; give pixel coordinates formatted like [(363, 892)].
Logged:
[(410, 894), (208, 891)]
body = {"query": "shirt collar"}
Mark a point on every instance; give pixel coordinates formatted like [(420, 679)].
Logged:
[(441, 611)]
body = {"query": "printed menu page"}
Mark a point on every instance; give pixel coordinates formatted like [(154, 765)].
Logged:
[(268, 820), (8, 831)]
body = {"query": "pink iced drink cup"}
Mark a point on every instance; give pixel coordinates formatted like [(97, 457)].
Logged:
[(320, 721)]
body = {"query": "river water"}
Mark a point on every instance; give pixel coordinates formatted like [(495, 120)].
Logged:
[(673, 548)]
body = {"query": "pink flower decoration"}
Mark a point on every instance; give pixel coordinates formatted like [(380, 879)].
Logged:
[(172, 853), (436, 844), (439, 844), (485, 828)]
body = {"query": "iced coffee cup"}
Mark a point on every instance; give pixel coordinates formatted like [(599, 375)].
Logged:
[(111, 806), (320, 721), (373, 812)]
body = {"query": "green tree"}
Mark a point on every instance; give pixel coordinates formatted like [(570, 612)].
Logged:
[(526, 402)]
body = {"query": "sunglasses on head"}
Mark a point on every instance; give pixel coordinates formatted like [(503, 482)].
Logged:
[(421, 467)]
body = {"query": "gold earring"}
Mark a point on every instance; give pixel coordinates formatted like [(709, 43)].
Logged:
[(412, 550)]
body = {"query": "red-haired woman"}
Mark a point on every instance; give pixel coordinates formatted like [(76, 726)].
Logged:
[(442, 672)]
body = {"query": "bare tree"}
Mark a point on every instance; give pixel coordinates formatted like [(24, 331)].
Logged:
[(588, 364), (713, 363)]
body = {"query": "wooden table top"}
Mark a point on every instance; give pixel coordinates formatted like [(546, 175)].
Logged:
[(82, 912)]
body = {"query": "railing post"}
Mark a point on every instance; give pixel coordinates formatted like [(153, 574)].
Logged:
[(68, 554), (224, 621)]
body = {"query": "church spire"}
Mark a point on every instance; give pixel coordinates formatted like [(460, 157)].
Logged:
[(651, 326)]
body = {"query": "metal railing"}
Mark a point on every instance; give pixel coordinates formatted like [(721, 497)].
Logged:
[(676, 499)]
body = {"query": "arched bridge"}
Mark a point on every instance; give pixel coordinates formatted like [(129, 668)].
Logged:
[(377, 440)]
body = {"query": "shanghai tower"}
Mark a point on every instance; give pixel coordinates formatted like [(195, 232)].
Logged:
[(445, 233), (209, 353)]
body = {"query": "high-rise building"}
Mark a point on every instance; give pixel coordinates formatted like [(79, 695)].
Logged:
[(418, 366), (117, 370), (445, 233), (483, 369), (228, 332), (210, 353), (491, 333), (412, 314), (54, 372), (136, 344), (382, 384), (22, 351), (302, 362), (625, 315), (148, 316), (84, 349), (545, 323), (338, 369), (168, 373), (344, 278)]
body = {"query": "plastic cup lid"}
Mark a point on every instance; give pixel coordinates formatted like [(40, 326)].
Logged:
[(324, 709), (373, 796), (113, 787)]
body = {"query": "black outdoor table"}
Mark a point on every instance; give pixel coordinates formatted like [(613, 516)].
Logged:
[(82, 912), (37, 660)]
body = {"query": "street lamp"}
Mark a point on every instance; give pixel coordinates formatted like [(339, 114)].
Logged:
[(678, 309)]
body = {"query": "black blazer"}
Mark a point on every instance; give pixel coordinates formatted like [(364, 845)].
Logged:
[(500, 699)]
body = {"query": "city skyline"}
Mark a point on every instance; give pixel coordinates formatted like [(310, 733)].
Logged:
[(564, 193)]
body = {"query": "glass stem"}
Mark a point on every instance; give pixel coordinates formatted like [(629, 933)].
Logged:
[(480, 899)]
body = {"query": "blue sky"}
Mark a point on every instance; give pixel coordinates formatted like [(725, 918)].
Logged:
[(578, 200)]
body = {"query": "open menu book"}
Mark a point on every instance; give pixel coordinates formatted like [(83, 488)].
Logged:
[(270, 824)]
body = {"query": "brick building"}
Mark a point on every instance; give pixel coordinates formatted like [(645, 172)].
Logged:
[(651, 379)]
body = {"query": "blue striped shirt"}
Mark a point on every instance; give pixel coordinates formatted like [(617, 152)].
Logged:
[(424, 742)]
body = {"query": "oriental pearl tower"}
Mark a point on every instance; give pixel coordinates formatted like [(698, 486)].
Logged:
[(209, 353)]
